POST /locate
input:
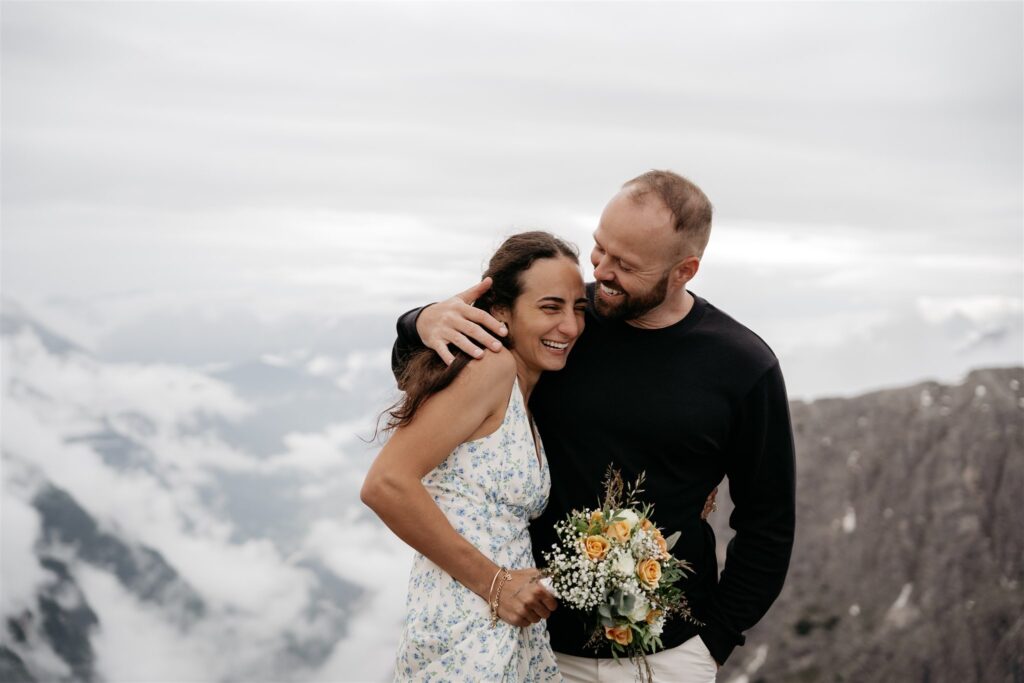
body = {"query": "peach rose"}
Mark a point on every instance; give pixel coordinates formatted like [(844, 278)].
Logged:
[(623, 635), (649, 572), (596, 516), (618, 531), (662, 545), (652, 616), (645, 524), (596, 547), (629, 517)]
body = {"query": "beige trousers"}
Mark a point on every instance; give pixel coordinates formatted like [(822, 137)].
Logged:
[(690, 662)]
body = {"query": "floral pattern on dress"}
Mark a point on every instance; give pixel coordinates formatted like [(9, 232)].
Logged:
[(489, 489)]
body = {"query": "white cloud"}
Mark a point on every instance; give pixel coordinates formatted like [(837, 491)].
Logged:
[(21, 572), (135, 642), (780, 247), (901, 348), (316, 453), (173, 396), (982, 310), (250, 576), (371, 556), (381, 562)]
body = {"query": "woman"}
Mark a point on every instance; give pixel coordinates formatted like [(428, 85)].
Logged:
[(464, 472)]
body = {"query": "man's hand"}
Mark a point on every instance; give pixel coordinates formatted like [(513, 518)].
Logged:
[(455, 321), (709, 505)]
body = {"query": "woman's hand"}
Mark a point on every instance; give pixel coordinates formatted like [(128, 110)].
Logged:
[(524, 600)]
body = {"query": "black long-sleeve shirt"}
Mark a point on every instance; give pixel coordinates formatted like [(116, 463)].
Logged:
[(688, 405)]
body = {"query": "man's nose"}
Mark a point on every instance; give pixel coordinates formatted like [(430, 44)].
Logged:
[(601, 268)]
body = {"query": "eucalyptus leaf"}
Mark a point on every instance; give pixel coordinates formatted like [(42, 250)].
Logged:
[(670, 542)]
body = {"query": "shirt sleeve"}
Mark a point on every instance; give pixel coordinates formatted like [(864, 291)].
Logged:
[(408, 341), (762, 475)]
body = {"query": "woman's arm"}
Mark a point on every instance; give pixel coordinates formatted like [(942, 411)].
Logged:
[(471, 407)]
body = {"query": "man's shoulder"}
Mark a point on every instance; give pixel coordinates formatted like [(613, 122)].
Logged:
[(741, 342)]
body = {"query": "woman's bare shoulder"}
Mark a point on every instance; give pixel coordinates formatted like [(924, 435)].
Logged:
[(493, 372)]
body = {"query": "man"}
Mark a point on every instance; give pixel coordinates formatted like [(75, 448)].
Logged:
[(660, 382)]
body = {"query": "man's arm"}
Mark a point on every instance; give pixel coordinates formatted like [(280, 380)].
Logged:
[(761, 471), (453, 321), (407, 342)]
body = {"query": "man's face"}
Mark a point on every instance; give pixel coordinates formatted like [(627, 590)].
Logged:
[(634, 249)]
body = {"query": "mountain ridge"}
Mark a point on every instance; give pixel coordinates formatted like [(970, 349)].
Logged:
[(908, 562)]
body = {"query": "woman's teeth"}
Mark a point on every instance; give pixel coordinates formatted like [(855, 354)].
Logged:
[(561, 346)]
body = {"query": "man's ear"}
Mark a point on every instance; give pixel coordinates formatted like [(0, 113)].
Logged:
[(684, 271)]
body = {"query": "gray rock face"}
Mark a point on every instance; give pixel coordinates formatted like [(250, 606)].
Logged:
[(140, 570), (61, 620), (909, 555), (12, 669)]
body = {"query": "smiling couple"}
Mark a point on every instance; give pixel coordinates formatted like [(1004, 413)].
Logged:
[(633, 370)]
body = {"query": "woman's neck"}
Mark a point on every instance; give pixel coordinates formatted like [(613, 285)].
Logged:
[(527, 377)]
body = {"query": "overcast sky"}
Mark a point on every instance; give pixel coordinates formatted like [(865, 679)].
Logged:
[(864, 159)]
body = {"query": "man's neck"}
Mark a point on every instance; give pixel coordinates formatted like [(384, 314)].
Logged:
[(670, 311)]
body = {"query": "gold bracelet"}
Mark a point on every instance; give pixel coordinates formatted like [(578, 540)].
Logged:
[(490, 590), (505, 577)]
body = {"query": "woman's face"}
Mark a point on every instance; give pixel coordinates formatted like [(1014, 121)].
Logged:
[(547, 317)]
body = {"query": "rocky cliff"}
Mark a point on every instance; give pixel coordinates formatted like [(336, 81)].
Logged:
[(909, 556)]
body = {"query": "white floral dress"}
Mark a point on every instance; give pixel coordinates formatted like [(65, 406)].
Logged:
[(489, 489)]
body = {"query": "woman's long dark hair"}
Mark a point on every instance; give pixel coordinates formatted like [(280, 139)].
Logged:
[(425, 373)]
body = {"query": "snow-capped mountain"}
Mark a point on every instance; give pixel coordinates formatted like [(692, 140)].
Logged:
[(195, 520), (162, 522)]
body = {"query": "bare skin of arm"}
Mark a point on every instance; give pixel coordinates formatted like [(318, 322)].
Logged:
[(455, 321), (470, 408)]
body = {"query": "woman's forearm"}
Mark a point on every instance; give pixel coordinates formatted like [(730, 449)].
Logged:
[(406, 507)]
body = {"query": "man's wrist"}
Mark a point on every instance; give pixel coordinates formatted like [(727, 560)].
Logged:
[(407, 323), (416, 321)]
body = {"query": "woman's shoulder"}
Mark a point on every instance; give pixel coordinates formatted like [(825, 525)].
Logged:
[(494, 367), (485, 382)]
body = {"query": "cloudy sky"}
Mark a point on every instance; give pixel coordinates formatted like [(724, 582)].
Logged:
[(296, 161), (197, 192)]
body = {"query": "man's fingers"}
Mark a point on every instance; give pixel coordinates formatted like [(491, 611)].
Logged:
[(474, 292), (474, 331), (485, 319), (467, 346), (444, 353)]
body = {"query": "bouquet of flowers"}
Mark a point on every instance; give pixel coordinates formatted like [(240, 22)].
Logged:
[(613, 564)]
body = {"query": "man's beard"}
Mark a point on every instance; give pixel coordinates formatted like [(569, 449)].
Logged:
[(632, 306)]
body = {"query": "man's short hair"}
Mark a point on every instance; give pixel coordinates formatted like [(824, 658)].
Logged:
[(690, 207)]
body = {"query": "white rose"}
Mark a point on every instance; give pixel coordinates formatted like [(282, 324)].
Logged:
[(627, 516), (624, 563), (640, 609)]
